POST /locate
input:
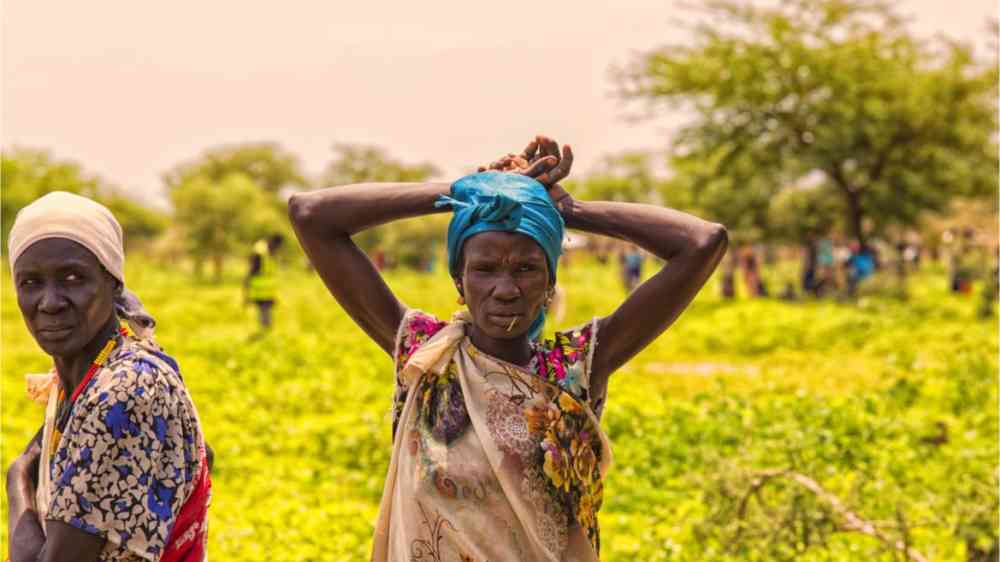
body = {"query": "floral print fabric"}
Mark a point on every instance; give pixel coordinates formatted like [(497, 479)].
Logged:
[(491, 461), (563, 360), (129, 455)]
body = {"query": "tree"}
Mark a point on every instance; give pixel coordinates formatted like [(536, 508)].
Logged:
[(217, 224), (796, 213), (138, 222), (218, 219), (838, 89), (360, 163), (409, 240), (742, 198), (621, 177), (27, 174), (266, 164)]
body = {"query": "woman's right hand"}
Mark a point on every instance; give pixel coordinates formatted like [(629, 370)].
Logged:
[(24, 529)]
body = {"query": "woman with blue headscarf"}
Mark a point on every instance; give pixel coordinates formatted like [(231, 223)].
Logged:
[(498, 452)]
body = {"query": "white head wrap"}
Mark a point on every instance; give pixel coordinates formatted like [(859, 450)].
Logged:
[(65, 215)]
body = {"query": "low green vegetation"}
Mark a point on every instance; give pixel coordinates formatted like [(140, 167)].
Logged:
[(889, 405)]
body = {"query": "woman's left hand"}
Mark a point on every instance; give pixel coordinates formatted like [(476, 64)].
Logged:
[(539, 160)]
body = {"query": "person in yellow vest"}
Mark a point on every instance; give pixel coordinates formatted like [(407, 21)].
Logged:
[(260, 285)]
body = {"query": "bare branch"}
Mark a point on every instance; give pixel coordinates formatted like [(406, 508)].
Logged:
[(849, 521)]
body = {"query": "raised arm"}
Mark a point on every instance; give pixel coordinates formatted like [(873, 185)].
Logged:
[(692, 249), (324, 222)]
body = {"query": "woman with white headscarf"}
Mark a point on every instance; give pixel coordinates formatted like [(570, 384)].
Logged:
[(119, 471)]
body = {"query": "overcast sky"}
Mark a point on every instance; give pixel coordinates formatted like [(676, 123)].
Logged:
[(130, 89)]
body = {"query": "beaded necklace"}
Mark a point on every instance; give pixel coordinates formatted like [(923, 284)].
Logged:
[(66, 406)]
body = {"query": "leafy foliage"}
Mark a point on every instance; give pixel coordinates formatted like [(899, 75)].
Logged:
[(622, 177), (224, 218), (229, 197), (409, 242), (362, 163), (852, 395), (893, 125), (27, 174), (266, 164)]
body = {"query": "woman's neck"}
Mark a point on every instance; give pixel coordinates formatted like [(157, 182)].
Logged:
[(72, 369), (516, 351)]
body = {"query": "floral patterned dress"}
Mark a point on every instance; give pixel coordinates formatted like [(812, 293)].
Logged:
[(126, 459), (491, 461)]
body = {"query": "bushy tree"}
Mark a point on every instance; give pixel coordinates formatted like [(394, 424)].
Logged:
[(218, 219), (27, 174), (215, 225), (362, 163), (621, 177), (265, 163), (410, 242), (796, 213), (893, 125)]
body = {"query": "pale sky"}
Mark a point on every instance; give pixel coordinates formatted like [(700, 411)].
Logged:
[(129, 89)]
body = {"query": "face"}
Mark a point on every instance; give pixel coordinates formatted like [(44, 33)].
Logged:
[(505, 278), (65, 295)]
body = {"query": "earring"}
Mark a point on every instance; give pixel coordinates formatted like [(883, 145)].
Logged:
[(461, 300), (548, 298)]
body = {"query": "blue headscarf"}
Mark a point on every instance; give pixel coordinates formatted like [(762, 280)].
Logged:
[(494, 201)]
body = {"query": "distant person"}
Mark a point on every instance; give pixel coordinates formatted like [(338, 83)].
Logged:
[(965, 262), (120, 469), (911, 255), (631, 263), (498, 452), (961, 266), (860, 266), (810, 265), (825, 261), (729, 277), (991, 287), (260, 284), (751, 271), (768, 259), (901, 258), (788, 293)]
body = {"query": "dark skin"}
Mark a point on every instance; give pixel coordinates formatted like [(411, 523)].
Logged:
[(505, 282), (325, 220), (67, 300)]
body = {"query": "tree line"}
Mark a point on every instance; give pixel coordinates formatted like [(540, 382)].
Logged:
[(806, 117)]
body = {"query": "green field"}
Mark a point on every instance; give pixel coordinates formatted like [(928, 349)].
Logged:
[(852, 395)]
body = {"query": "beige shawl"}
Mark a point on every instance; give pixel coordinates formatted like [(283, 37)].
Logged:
[(523, 480)]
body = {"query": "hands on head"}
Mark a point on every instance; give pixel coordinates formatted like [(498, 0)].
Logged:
[(540, 160)]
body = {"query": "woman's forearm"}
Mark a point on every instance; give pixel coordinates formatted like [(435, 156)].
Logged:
[(324, 222), (24, 531), (692, 248), (350, 209), (19, 492), (664, 232)]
